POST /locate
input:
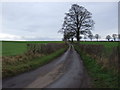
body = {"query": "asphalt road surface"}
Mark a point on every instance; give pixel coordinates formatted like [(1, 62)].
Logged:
[(67, 71)]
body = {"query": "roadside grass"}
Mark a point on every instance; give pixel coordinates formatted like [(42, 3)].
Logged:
[(20, 67), (101, 78), (12, 48)]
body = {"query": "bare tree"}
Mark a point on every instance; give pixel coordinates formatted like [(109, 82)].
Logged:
[(114, 36), (97, 36), (108, 37), (78, 20), (85, 38), (91, 36)]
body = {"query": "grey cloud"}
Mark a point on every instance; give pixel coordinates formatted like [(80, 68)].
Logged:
[(45, 19), (40, 38)]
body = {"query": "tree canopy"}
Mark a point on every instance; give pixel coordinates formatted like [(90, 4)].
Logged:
[(77, 21), (108, 37)]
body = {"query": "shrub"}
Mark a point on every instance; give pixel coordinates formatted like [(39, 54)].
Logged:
[(45, 48), (102, 55), (36, 56), (33, 50)]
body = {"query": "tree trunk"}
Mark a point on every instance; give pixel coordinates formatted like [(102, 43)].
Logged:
[(71, 39), (78, 36), (78, 39)]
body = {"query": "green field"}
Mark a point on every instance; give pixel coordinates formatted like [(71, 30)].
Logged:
[(11, 48), (106, 44)]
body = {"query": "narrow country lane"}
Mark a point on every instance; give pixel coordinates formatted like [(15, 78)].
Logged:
[(67, 71)]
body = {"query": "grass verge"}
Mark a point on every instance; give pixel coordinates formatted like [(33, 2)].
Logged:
[(101, 77), (12, 70)]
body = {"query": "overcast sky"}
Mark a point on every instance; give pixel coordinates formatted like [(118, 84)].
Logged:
[(41, 21)]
